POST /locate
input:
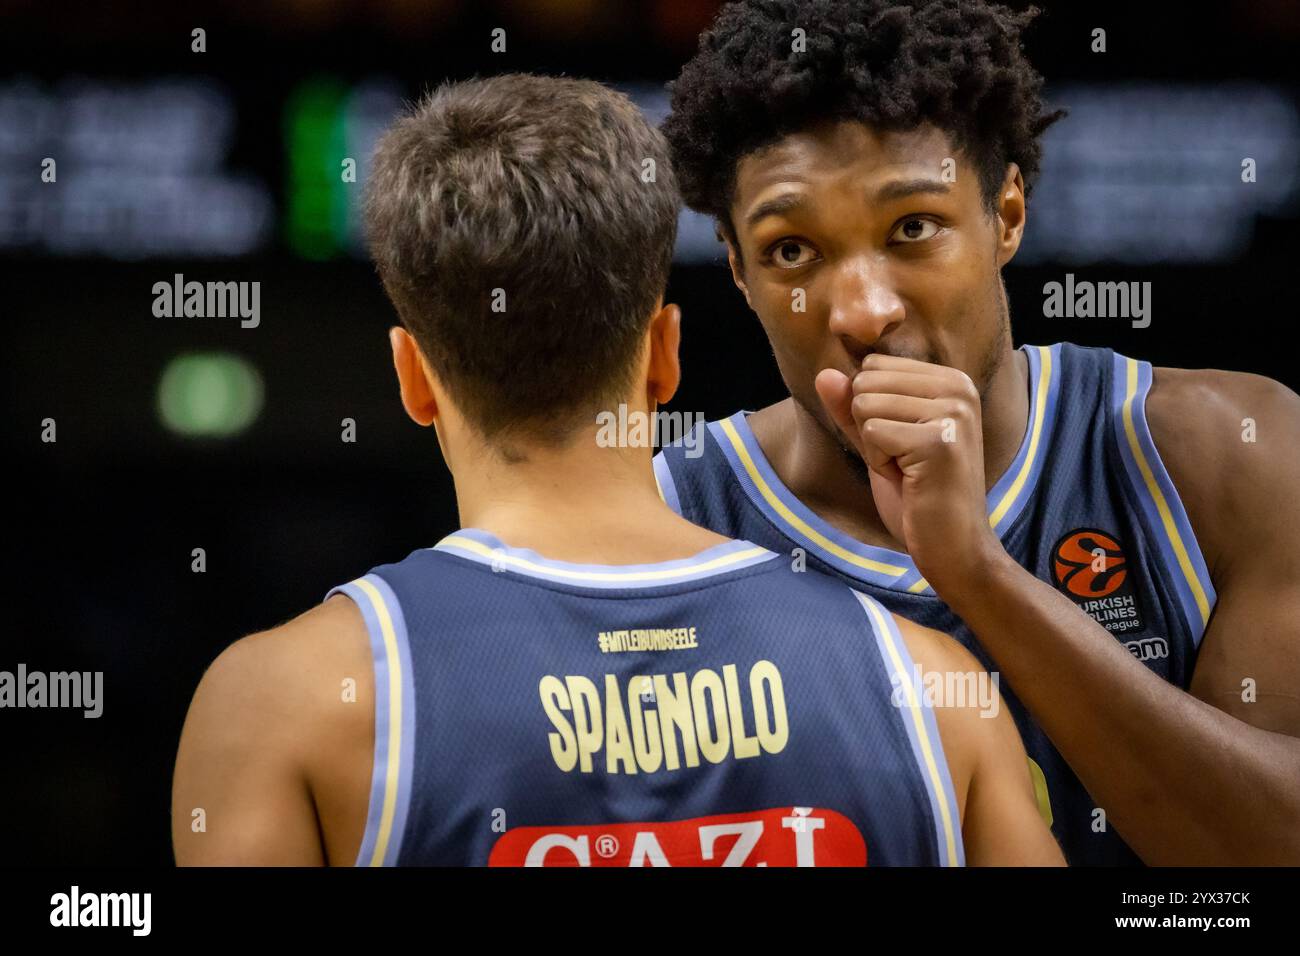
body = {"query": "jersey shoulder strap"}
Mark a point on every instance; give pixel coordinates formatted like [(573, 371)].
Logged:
[(1151, 491)]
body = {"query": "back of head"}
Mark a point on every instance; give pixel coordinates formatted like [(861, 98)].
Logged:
[(523, 227)]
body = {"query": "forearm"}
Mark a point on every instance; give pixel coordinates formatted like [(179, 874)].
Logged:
[(1183, 782)]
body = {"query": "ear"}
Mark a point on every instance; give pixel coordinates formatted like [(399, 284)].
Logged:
[(1011, 215), (737, 268), (412, 377), (665, 371)]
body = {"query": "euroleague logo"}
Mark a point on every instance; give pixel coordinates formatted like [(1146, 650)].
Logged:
[(1090, 566)]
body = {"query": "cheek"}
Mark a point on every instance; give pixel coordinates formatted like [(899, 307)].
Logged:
[(955, 285), (794, 324), (802, 346), (969, 321)]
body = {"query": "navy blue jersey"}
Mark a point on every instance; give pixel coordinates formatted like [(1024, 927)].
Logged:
[(1086, 506), (717, 710)]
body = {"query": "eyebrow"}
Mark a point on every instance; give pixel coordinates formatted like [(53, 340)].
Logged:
[(776, 206), (899, 189), (902, 188)]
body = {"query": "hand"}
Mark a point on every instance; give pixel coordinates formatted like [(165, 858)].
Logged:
[(917, 427)]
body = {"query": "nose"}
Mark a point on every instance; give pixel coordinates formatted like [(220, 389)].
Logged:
[(864, 306)]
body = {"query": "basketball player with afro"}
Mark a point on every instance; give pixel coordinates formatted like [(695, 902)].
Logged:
[(577, 676), (1094, 529)]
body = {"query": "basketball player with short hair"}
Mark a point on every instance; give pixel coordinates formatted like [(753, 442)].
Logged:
[(578, 676), (1094, 528)]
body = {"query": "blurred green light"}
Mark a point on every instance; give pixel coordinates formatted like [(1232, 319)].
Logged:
[(209, 395), (315, 134)]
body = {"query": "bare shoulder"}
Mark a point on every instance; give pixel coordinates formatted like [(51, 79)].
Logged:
[(327, 636), (1231, 444), (288, 680), (1211, 416), (934, 650), (276, 746)]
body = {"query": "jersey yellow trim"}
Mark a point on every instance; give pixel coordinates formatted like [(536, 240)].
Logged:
[(391, 774), (1040, 413), (1040, 792), (500, 557), (794, 520), (936, 782), (1162, 506)]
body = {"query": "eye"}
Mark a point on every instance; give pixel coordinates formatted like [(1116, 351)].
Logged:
[(790, 254), (915, 230)]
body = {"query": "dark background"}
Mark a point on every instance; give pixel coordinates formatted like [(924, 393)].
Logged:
[(100, 525)]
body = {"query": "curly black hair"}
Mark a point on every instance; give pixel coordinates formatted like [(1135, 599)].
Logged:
[(893, 64)]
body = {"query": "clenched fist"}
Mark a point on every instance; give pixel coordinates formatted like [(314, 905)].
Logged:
[(917, 427)]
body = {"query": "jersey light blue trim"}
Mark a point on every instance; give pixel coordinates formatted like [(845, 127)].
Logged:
[(922, 729), (1170, 533), (480, 546), (390, 781)]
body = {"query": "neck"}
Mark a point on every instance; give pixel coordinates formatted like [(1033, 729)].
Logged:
[(583, 503), (834, 482)]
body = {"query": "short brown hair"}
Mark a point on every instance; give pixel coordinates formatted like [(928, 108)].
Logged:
[(554, 193)]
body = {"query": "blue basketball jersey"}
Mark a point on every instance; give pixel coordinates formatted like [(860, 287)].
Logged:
[(717, 710), (1086, 506)]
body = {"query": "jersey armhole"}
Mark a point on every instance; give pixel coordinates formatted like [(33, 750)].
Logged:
[(390, 779), (1161, 510), (922, 730)]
